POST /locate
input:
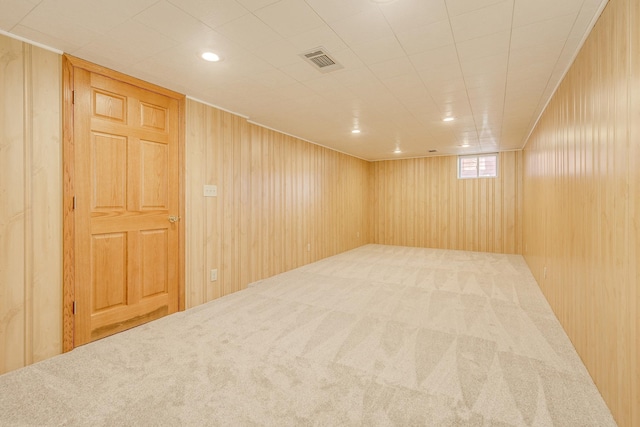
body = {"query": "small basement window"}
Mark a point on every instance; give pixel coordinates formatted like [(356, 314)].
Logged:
[(478, 166)]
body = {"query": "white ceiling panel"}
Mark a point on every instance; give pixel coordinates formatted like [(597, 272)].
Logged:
[(379, 50), (254, 5), (482, 47), (482, 22), (290, 17), (409, 14), (527, 12), (542, 32), (249, 31), (334, 10), (460, 7), (167, 19), (12, 14), (490, 64), (426, 37), (321, 36), (392, 68), (213, 13), (363, 27)]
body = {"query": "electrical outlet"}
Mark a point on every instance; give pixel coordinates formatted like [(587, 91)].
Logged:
[(210, 191), (308, 247), (358, 234), (214, 275)]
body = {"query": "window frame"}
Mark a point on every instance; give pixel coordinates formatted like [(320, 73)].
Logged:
[(477, 157)]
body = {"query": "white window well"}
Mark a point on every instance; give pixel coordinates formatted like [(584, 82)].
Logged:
[(478, 166)]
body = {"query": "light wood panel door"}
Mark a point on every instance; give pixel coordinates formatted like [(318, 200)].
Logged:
[(127, 205)]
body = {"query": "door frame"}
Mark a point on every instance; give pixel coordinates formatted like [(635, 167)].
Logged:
[(69, 63)]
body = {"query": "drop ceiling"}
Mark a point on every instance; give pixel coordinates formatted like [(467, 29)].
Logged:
[(406, 64)]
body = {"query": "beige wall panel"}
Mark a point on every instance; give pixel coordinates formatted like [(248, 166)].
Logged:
[(421, 202), (281, 202), (30, 213), (634, 208), (195, 203), (581, 206), (12, 208)]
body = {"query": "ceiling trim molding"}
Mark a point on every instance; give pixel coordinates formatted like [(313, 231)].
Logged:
[(445, 155), (25, 40), (310, 142), (217, 106)]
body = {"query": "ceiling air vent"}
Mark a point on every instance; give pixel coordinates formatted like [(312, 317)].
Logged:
[(321, 60)]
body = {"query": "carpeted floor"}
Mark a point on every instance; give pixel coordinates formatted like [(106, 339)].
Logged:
[(379, 335)]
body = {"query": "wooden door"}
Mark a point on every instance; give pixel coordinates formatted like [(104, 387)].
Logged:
[(126, 160)]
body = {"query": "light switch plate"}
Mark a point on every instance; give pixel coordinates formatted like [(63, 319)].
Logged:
[(210, 191)]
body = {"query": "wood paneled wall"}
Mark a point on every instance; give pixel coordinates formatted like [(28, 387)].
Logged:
[(30, 204), (282, 202), (421, 202), (582, 206)]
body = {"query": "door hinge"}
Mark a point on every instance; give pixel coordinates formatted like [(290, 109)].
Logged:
[(74, 307), (74, 203)]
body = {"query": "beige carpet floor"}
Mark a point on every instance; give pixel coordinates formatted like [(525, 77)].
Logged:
[(377, 336)]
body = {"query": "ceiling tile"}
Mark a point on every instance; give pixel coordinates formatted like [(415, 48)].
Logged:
[(212, 12), (363, 27), (543, 52), (167, 19), (380, 50), (425, 37), (139, 40), (321, 36), (301, 71), (278, 53), (482, 22), (334, 10), (459, 7), (97, 16), (392, 68), (348, 59), (62, 27), (249, 32), (273, 79), (528, 12), (445, 56), (289, 17), (407, 86), (14, 10), (254, 5), (409, 14), (542, 32), (481, 47)]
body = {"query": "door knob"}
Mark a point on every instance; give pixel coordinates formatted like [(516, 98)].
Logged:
[(173, 218)]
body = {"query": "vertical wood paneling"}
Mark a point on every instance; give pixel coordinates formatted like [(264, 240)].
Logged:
[(276, 196), (421, 202), (31, 208), (581, 206), (634, 209)]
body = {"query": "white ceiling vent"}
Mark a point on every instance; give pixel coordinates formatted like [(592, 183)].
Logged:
[(321, 60)]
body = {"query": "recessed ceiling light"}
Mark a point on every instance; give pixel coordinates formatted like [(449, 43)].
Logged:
[(448, 119), (210, 56), (355, 131), (465, 145), (397, 151)]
